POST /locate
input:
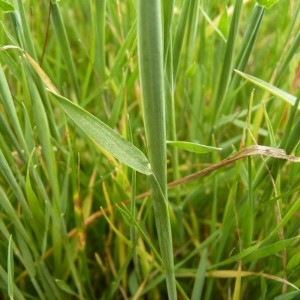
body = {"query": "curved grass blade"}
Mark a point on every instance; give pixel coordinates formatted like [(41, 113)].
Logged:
[(106, 137), (269, 87)]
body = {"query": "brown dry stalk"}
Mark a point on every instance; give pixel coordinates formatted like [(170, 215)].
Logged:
[(249, 151), (246, 152)]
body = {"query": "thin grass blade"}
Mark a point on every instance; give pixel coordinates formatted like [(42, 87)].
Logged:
[(290, 99), (227, 69), (193, 147), (64, 45), (10, 269), (200, 277)]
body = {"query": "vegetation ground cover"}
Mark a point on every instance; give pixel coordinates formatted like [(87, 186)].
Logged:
[(149, 149)]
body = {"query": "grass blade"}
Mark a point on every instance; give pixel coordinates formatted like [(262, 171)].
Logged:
[(6, 6), (193, 147), (10, 270), (105, 137), (22, 28), (290, 99), (226, 72), (200, 277), (151, 53), (99, 59), (64, 44)]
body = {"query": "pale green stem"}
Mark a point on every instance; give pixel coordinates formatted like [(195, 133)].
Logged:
[(150, 52)]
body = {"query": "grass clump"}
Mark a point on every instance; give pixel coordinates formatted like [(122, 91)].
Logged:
[(149, 150)]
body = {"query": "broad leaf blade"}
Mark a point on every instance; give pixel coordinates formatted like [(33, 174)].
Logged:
[(106, 137)]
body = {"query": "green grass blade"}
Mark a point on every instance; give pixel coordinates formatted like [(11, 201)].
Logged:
[(267, 3), (200, 277), (99, 59), (291, 295), (105, 137), (121, 57), (289, 141), (54, 178), (247, 211), (10, 270), (152, 84), (257, 251), (179, 36), (227, 70), (38, 223), (168, 9), (116, 283), (271, 249), (294, 138), (131, 221), (162, 220), (193, 147), (269, 87), (247, 46), (191, 31), (62, 285), (4, 276), (8, 103), (293, 48), (151, 53), (249, 37), (44, 134), (7, 173), (213, 25), (6, 6), (22, 28), (64, 45), (289, 127)]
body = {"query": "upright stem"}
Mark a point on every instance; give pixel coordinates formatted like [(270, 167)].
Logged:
[(151, 53)]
